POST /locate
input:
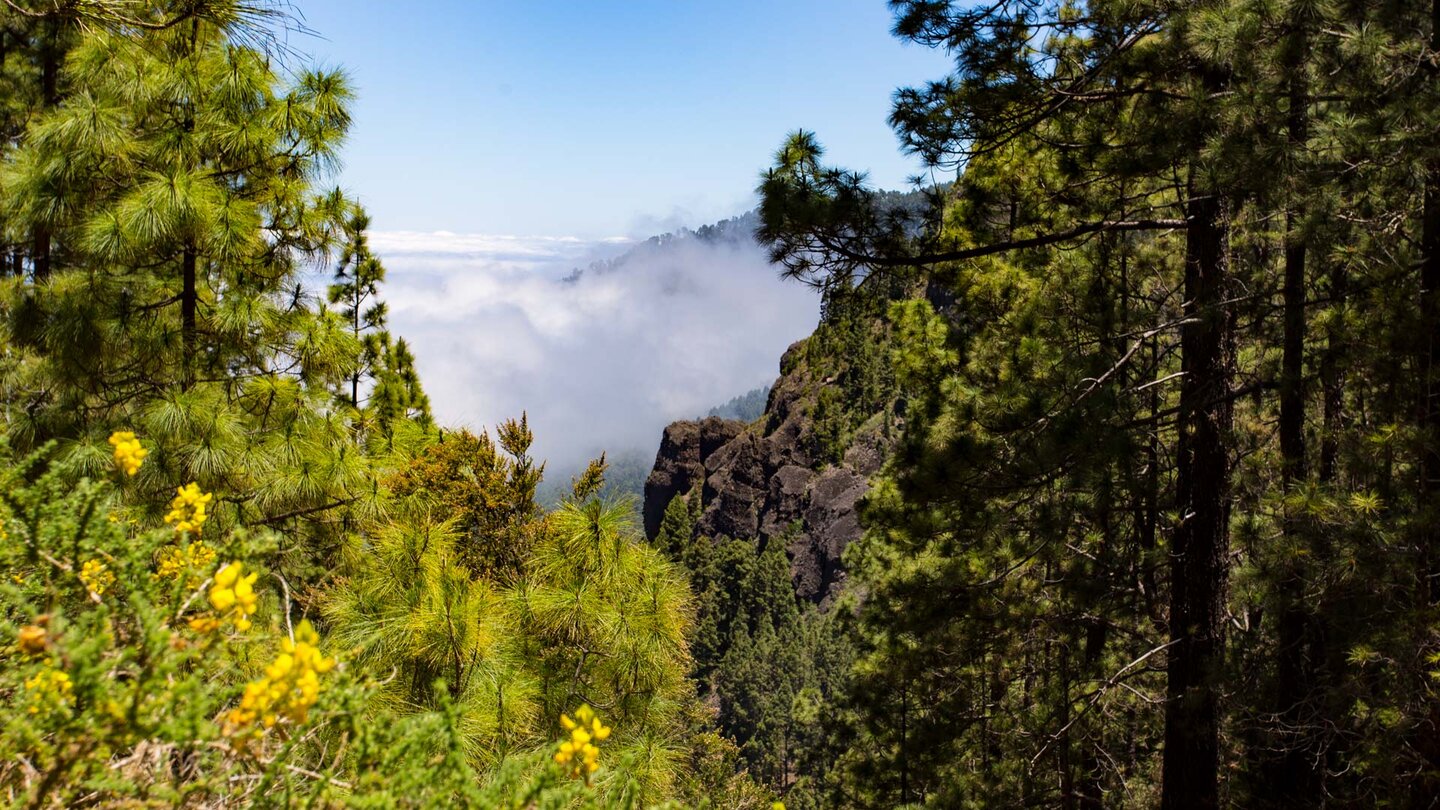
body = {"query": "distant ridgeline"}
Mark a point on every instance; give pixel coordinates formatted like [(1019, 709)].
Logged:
[(627, 469), (747, 407), (738, 232)]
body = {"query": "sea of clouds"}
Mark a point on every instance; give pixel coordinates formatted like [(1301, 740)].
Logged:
[(599, 362)]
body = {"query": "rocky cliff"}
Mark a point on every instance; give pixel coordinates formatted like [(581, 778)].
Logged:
[(780, 477)]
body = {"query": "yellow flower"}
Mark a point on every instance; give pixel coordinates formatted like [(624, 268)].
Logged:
[(97, 577), (48, 690), (233, 595), (290, 687), (128, 452), (173, 561), (579, 754), (204, 624), (188, 508), (33, 640)]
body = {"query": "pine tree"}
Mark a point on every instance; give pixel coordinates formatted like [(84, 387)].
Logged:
[(178, 183), (398, 395), (358, 276), (676, 528), (1092, 385)]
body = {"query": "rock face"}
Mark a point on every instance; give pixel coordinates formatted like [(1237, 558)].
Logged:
[(765, 480), (681, 462)]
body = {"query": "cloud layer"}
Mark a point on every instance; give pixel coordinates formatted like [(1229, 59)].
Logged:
[(604, 361)]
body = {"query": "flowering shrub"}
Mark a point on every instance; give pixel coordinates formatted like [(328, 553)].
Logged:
[(96, 577), (128, 452), (187, 510), (48, 690), (107, 696), (290, 687), (233, 597), (579, 754), (190, 561), (118, 686)]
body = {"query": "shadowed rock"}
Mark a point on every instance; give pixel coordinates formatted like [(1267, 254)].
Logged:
[(680, 463), (762, 481)]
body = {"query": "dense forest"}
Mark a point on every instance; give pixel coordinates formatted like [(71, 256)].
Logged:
[(1110, 476)]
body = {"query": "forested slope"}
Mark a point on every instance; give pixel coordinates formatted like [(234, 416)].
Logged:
[(1160, 527), (243, 566), (1109, 476)]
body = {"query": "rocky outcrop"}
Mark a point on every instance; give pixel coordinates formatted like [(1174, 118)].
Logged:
[(681, 462), (766, 480)]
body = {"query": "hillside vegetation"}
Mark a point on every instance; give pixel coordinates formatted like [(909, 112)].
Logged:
[(1110, 476)]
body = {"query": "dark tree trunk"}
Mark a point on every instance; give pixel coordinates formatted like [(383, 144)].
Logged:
[(1292, 375), (904, 763), (1430, 317), (1150, 524), (50, 63), (1090, 792), (1200, 546), (50, 94), (40, 254), (1332, 381), (187, 313), (1293, 777)]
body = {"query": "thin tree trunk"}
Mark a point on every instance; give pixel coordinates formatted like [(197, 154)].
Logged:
[(50, 96), (355, 325), (50, 63), (1149, 527), (1090, 793), (1200, 546), (1430, 316), (1292, 382), (904, 763), (187, 312), (1332, 381), (1293, 776)]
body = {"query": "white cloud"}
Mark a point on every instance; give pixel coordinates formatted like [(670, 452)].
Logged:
[(604, 362)]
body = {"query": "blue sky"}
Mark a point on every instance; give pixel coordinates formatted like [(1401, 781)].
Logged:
[(598, 119), (499, 145)]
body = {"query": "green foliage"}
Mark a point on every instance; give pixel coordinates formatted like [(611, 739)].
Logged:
[(848, 364), (163, 197), (1169, 408), (487, 489), (398, 396), (677, 528), (171, 196), (773, 668), (113, 696), (590, 615)]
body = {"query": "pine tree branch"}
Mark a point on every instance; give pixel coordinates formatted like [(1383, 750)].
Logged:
[(1022, 244), (308, 511)]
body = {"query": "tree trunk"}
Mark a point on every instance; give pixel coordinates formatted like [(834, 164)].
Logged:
[(1090, 793), (1200, 546), (1332, 380), (50, 95), (187, 313), (1430, 317), (904, 763), (1293, 777)]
